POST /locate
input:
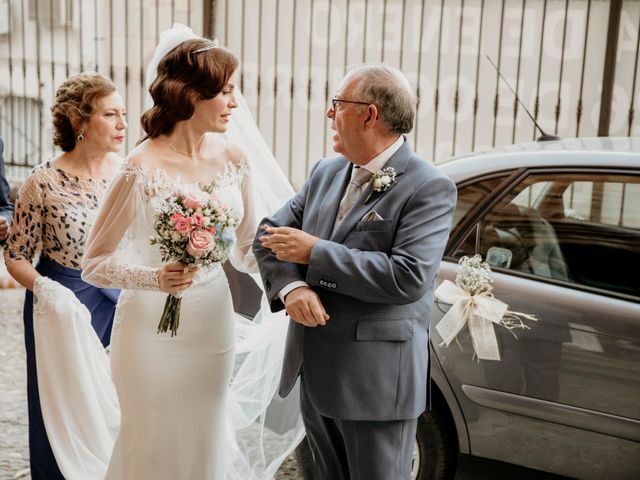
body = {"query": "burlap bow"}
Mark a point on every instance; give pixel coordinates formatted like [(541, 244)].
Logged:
[(480, 311)]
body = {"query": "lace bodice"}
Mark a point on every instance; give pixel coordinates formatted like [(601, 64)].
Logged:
[(158, 184), (119, 254), (55, 210)]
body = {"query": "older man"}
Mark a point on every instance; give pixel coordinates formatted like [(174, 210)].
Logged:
[(353, 258)]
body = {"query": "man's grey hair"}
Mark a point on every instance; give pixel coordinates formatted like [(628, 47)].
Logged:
[(389, 90)]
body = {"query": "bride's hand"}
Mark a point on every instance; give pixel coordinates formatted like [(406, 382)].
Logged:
[(175, 277)]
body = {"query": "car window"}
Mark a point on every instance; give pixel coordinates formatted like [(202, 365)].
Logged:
[(607, 202), (578, 228), (530, 195), (470, 195)]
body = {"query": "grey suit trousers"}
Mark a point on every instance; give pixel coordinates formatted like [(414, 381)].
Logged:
[(357, 449)]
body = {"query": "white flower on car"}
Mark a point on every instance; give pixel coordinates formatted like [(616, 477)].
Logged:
[(473, 304)]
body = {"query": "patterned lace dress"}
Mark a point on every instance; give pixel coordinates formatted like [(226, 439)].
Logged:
[(55, 210)]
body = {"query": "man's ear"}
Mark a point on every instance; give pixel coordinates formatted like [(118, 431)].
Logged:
[(372, 116)]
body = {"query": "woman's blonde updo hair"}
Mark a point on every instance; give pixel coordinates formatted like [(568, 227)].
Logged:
[(75, 102), (185, 77)]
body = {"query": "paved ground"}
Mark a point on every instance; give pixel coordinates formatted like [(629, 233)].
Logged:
[(14, 453)]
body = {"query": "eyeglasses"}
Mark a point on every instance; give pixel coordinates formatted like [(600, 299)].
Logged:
[(335, 100)]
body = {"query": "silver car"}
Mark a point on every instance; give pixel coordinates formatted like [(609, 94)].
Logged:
[(559, 223)]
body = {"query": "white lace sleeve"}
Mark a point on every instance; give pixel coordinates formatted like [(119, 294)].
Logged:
[(105, 262), (241, 256)]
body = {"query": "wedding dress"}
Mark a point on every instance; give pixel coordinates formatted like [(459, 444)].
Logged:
[(182, 419)]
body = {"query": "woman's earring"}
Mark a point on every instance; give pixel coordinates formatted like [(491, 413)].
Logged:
[(80, 136)]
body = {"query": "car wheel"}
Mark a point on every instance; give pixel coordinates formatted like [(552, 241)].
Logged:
[(436, 451)]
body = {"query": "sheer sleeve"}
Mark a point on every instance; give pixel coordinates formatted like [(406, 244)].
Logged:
[(28, 221), (107, 262), (242, 257)]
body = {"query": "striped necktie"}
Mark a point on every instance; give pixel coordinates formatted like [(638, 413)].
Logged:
[(353, 192)]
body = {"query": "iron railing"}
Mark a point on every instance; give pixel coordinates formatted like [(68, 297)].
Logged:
[(574, 64)]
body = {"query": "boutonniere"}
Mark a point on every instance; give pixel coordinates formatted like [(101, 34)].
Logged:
[(382, 181)]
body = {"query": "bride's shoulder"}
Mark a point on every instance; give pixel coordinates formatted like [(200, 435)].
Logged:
[(234, 158), (141, 154), (232, 152), (139, 162)]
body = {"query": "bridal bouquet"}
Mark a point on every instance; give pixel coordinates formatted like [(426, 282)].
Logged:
[(195, 228), (473, 304)]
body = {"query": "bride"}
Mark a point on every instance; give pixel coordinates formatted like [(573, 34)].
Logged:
[(193, 405)]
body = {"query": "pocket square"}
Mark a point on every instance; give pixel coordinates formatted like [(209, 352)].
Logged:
[(372, 216)]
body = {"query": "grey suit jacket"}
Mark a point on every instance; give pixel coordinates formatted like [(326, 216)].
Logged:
[(376, 281)]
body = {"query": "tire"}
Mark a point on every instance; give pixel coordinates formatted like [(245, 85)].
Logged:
[(436, 453)]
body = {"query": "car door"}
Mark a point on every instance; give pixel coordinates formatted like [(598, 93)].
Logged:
[(564, 245)]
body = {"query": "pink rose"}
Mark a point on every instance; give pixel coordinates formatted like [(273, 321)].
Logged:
[(194, 199), (200, 243), (181, 224), (197, 218)]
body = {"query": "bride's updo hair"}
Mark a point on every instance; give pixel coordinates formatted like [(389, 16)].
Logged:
[(185, 76)]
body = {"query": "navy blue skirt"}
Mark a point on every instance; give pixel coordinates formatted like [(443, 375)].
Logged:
[(101, 303)]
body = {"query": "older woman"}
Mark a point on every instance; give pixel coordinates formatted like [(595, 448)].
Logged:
[(55, 210)]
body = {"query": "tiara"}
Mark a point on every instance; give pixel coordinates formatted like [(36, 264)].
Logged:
[(212, 44)]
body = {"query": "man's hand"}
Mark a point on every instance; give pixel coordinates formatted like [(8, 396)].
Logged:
[(289, 244), (4, 229), (304, 306)]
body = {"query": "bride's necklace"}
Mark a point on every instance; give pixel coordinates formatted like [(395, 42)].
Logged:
[(187, 154), (182, 152)]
